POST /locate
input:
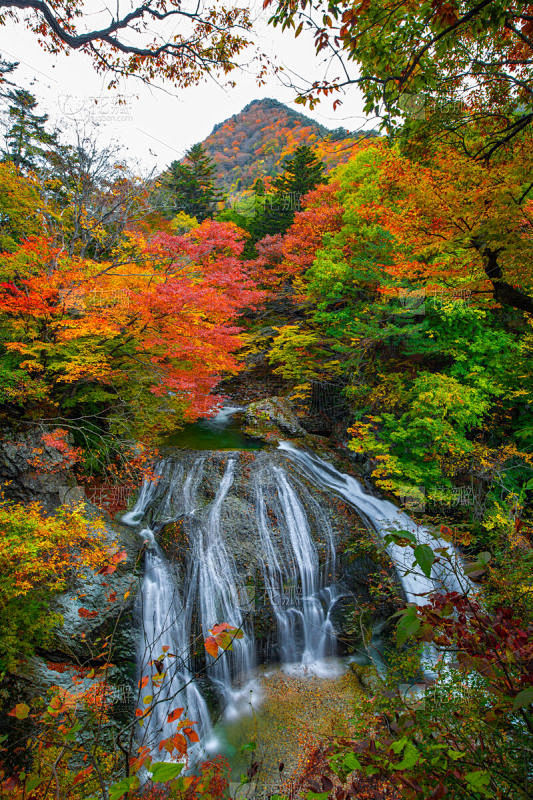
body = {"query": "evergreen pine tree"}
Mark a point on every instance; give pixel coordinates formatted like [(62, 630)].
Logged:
[(26, 138), (303, 171), (189, 185)]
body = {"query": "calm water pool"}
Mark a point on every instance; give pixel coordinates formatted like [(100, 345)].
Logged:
[(221, 432)]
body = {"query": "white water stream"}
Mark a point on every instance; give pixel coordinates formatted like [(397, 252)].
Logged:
[(177, 610), (385, 518)]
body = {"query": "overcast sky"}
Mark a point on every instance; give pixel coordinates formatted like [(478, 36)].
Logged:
[(157, 125)]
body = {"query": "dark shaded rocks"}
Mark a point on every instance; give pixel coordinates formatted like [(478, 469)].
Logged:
[(99, 621), (50, 483)]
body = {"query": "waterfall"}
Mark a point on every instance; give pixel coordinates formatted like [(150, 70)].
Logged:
[(216, 588), (165, 640), (291, 569), (209, 591), (385, 517), (180, 605), (148, 490), (236, 513)]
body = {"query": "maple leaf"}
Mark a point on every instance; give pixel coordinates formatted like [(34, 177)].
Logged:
[(191, 734), (86, 614)]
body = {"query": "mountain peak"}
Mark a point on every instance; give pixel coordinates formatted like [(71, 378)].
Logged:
[(254, 142)]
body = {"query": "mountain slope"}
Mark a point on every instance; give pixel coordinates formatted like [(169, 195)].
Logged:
[(253, 143)]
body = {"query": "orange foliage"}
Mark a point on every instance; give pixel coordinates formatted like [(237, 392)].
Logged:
[(446, 218), (255, 142), (164, 322), (322, 214)]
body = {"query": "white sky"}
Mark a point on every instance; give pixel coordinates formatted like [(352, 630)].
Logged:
[(159, 124)]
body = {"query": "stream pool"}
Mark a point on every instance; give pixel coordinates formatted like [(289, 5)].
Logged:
[(221, 432), (286, 715)]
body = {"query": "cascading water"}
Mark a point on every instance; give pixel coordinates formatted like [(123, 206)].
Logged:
[(210, 589), (214, 587), (165, 641), (286, 531), (301, 602), (385, 518)]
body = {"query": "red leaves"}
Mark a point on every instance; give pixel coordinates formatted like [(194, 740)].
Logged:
[(222, 636), (179, 320), (280, 260), (176, 742), (191, 734), (81, 776), (143, 682), (498, 646), (86, 614), (144, 755), (223, 626), (174, 715), (211, 646), (179, 743), (445, 11), (115, 559)]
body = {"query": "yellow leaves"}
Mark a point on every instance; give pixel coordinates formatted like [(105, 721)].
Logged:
[(38, 550), (301, 391), (18, 347), (89, 366), (32, 366), (20, 711)]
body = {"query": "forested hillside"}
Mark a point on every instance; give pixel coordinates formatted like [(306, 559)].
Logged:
[(253, 143)]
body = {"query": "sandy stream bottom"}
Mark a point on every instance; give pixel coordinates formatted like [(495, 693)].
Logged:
[(294, 714)]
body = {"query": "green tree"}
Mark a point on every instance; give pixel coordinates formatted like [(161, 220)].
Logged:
[(303, 171), (189, 185), (444, 66), (26, 138)]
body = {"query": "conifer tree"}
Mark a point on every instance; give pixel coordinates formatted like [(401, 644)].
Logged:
[(189, 185), (303, 171), (26, 138)]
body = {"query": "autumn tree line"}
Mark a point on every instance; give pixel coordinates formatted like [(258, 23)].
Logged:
[(402, 278)]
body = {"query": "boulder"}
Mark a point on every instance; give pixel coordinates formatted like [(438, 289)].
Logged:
[(273, 419)]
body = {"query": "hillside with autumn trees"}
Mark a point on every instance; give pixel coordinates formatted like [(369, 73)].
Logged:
[(253, 143), (331, 600)]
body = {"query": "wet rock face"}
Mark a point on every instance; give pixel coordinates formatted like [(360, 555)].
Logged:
[(50, 485), (333, 526)]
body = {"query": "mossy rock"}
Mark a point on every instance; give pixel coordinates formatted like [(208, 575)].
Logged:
[(273, 419)]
